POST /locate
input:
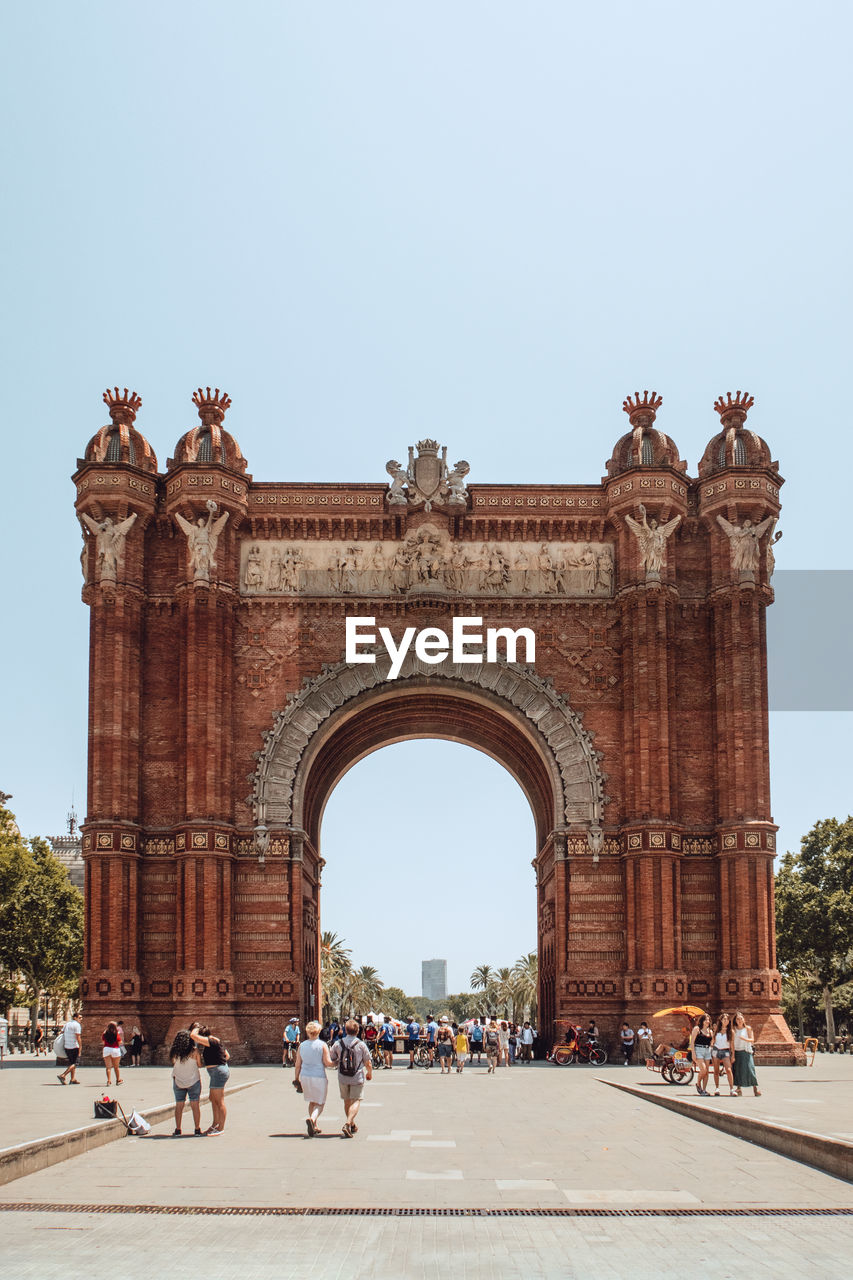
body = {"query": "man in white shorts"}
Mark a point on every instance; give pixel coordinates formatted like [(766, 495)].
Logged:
[(352, 1058)]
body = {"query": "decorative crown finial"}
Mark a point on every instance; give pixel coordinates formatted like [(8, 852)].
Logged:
[(122, 404), (212, 405), (427, 446), (642, 413), (733, 411)]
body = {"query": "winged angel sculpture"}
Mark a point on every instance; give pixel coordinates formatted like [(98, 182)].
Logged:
[(202, 538), (109, 540), (652, 539), (744, 543)]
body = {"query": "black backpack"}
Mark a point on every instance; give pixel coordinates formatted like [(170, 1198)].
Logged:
[(349, 1061)]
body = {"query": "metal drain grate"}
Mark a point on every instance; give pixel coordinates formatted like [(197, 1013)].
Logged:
[(284, 1211)]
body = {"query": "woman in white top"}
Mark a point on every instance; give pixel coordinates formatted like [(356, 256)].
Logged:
[(744, 1067), (721, 1053), (503, 1037), (186, 1080), (312, 1059)]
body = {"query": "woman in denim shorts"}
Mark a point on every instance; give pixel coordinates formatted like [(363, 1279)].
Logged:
[(721, 1053), (215, 1058), (186, 1080), (700, 1047)]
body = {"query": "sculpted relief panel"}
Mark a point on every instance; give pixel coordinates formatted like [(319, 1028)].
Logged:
[(426, 561)]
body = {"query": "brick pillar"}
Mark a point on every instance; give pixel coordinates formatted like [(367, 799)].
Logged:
[(120, 497), (652, 835)]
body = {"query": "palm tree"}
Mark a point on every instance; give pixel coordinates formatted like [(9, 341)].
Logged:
[(481, 980), (335, 971), (366, 988), (504, 989), (526, 973)]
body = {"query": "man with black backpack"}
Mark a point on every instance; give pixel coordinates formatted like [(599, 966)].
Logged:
[(352, 1058)]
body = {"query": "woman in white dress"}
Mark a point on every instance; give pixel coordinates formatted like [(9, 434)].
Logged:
[(312, 1060)]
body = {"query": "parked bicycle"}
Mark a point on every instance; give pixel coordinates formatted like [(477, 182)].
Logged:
[(584, 1050)]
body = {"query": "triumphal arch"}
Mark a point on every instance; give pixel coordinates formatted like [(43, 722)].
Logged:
[(231, 688)]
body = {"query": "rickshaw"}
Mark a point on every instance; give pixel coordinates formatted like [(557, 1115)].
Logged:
[(676, 1066)]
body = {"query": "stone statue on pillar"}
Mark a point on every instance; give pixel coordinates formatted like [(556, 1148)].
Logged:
[(744, 545), (202, 538), (109, 540), (652, 539)]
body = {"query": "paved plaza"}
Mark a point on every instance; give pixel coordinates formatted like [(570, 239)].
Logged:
[(529, 1139)]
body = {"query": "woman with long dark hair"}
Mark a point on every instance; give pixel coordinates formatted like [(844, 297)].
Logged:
[(721, 1053), (112, 1051), (215, 1058), (700, 1047), (186, 1080)]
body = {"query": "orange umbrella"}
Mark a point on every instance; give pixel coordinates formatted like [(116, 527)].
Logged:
[(689, 1011)]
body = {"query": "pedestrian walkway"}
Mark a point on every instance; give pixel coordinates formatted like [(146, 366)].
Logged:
[(529, 1138)]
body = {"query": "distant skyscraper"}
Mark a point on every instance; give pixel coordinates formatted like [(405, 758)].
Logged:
[(434, 979)]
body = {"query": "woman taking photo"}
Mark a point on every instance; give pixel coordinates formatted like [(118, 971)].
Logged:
[(721, 1053), (215, 1058), (186, 1080), (700, 1048), (744, 1068), (312, 1059)]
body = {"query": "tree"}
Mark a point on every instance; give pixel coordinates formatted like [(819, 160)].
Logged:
[(481, 980), (41, 915), (814, 908), (526, 971), (395, 1002), (365, 989), (335, 972), (504, 989)]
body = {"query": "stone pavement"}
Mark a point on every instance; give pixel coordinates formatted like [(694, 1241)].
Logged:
[(818, 1099), (33, 1104), (103, 1247), (527, 1137)]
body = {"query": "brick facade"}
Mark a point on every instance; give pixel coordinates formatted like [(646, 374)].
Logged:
[(222, 714)]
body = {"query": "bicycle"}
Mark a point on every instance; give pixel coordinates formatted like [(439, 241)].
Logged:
[(422, 1058), (288, 1057), (587, 1054)]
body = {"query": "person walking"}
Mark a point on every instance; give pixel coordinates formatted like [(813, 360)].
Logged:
[(137, 1040), (462, 1046), (700, 1047), (444, 1046), (312, 1059), (645, 1042), (352, 1058), (626, 1036), (38, 1040), (744, 1067), (503, 1036), (492, 1039), (112, 1051), (387, 1037), (413, 1035), (215, 1056), (186, 1080), (72, 1040), (513, 1043), (721, 1053), (528, 1035), (476, 1039)]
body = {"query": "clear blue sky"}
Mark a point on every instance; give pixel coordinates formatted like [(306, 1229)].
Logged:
[(487, 222)]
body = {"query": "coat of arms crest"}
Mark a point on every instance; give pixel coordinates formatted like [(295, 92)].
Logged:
[(426, 479)]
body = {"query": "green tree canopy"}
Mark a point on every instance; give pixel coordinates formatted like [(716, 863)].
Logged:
[(41, 914), (814, 909)]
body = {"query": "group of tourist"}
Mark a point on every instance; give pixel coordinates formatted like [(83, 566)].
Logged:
[(722, 1047), (113, 1049), (451, 1044)]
